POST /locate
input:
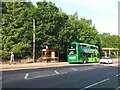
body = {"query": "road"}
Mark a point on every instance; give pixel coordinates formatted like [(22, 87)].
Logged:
[(80, 76)]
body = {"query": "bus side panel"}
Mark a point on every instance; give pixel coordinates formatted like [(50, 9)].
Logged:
[(91, 59)]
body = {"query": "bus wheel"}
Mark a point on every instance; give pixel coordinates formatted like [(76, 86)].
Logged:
[(84, 61)]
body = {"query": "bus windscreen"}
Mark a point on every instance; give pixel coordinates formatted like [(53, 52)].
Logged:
[(72, 49)]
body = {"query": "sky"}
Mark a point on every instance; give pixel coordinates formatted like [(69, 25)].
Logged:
[(103, 13)]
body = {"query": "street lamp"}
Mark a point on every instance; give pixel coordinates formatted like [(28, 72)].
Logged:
[(33, 40)]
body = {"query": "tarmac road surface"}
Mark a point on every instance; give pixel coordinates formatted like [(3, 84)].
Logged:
[(80, 76)]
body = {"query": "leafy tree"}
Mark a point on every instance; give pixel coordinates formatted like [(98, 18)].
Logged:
[(53, 27), (17, 27), (109, 41), (78, 30), (48, 24), (119, 45)]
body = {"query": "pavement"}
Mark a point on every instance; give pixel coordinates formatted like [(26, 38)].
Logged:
[(7, 67)]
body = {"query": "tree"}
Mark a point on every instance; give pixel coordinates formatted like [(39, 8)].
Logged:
[(48, 25), (78, 30), (109, 41), (17, 27), (53, 27)]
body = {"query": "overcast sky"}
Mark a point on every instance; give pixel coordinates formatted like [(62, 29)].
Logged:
[(103, 13)]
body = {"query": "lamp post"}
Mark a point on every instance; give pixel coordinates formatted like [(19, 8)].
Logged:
[(33, 40)]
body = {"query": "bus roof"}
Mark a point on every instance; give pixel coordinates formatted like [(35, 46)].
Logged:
[(87, 44), (91, 45), (83, 44)]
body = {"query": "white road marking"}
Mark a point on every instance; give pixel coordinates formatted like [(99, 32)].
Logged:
[(40, 76), (56, 72), (95, 84), (73, 69), (26, 75), (64, 72), (117, 75), (89, 68), (118, 88), (33, 77), (49, 75), (84, 69)]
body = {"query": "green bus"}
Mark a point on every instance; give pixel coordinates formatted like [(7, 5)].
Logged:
[(82, 53)]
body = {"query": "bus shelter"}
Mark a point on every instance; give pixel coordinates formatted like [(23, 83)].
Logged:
[(50, 56)]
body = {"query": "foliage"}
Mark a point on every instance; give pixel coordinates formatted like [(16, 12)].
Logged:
[(53, 27), (48, 25), (119, 45), (16, 27), (109, 41), (5, 54)]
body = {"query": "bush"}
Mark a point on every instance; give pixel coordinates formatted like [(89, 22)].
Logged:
[(5, 54)]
